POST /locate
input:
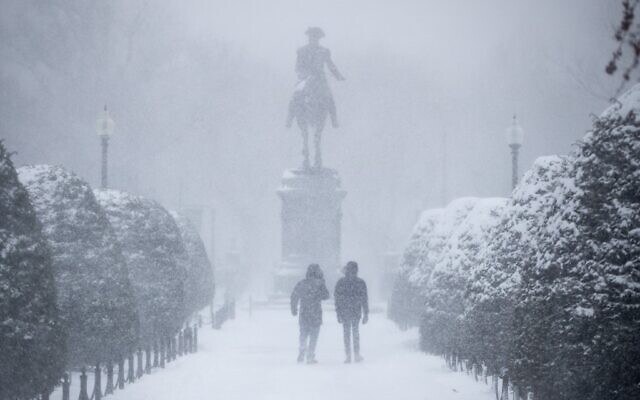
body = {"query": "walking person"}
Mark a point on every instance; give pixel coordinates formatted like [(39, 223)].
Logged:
[(309, 294), (352, 304)]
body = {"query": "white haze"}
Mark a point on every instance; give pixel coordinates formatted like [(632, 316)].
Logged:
[(199, 91)]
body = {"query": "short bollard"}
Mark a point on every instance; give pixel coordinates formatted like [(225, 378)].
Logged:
[(66, 384), (83, 385)]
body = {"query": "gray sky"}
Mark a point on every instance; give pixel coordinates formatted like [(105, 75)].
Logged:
[(199, 91)]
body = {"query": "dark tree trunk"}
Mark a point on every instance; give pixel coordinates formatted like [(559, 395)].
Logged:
[(195, 339), (140, 370), (169, 344), (505, 388), (65, 386), (156, 351), (83, 385), (109, 388), (180, 343), (121, 373), (163, 351), (174, 347), (131, 377), (147, 369), (97, 383)]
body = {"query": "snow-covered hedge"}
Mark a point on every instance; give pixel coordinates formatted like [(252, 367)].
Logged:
[(582, 294), (544, 289), (156, 257), (406, 303), (470, 228), (94, 293), (425, 249), (32, 339), (199, 286)]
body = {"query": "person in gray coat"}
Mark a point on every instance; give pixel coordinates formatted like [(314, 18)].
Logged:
[(352, 303), (308, 294)]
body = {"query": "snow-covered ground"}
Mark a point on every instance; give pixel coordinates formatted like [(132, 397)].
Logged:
[(253, 358)]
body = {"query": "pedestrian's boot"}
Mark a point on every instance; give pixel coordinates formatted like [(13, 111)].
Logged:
[(301, 356), (359, 358), (348, 359), (311, 359)]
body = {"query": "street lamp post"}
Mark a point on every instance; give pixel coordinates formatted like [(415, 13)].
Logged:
[(104, 127), (515, 137)]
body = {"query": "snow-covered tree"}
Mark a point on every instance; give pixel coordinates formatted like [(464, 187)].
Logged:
[(199, 286), (587, 278), (407, 303), (513, 247), (442, 328), (157, 260), (423, 252), (608, 220), (32, 339), (94, 293)]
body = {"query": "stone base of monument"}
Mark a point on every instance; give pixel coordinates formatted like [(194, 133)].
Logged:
[(311, 226)]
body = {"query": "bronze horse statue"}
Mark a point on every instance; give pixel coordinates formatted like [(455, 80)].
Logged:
[(312, 100), (310, 112)]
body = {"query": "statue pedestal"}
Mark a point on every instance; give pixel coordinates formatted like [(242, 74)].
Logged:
[(311, 226)]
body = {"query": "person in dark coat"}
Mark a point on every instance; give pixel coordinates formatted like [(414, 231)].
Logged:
[(308, 293), (352, 303)]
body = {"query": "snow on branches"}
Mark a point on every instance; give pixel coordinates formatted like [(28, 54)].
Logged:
[(544, 289), (199, 284), (156, 257), (94, 292), (30, 328)]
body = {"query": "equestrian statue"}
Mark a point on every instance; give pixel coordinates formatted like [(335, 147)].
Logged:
[(312, 100)]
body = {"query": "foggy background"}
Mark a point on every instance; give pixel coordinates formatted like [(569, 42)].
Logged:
[(199, 91)]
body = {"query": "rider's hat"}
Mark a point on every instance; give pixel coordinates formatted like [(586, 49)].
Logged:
[(316, 32)]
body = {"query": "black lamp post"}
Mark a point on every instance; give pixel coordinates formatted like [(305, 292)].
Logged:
[(104, 127), (515, 137)]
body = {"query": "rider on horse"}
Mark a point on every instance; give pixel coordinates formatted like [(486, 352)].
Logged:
[(310, 69)]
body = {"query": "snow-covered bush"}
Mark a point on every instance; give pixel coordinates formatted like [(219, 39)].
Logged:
[(546, 294), (94, 293), (32, 340), (583, 294), (157, 260), (407, 302), (425, 249), (199, 286), (442, 328), (513, 247)]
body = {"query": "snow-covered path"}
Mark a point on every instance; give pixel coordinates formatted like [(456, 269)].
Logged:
[(253, 358)]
